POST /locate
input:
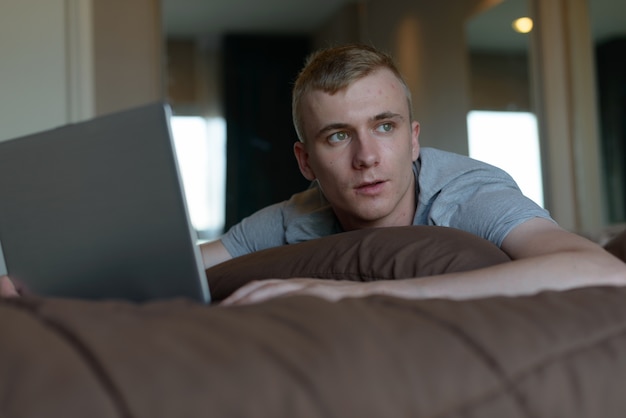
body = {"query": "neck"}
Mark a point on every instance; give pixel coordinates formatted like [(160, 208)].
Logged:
[(406, 219)]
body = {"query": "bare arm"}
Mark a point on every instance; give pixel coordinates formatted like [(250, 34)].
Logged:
[(7, 288), (545, 257), (214, 253)]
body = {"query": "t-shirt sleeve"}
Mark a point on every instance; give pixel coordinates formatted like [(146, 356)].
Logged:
[(306, 215), (261, 230), (479, 198), (489, 207)]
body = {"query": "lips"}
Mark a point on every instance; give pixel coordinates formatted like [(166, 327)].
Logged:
[(370, 188)]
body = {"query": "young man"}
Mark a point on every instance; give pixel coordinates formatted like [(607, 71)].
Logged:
[(359, 145)]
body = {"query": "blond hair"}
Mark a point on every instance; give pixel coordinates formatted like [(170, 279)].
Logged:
[(334, 69)]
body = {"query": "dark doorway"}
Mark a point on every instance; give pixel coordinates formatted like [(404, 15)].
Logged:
[(259, 72)]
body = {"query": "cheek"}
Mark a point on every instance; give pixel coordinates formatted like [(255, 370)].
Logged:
[(333, 167), (329, 173)]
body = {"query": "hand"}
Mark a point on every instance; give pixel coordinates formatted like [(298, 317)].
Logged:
[(7, 288), (262, 290)]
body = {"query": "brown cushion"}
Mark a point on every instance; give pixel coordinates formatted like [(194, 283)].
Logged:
[(617, 246), (363, 255)]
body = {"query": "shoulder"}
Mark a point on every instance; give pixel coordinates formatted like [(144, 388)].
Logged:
[(440, 171), (467, 194), (308, 215), (304, 216), (445, 165), (261, 230)]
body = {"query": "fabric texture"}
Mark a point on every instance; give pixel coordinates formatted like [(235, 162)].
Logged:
[(362, 255), (555, 354), (452, 190), (552, 354)]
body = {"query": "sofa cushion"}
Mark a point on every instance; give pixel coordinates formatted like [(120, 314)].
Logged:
[(362, 255)]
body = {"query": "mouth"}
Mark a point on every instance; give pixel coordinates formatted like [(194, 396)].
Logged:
[(370, 187)]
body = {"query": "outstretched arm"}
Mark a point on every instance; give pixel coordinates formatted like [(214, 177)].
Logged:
[(544, 257), (7, 288), (214, 253)]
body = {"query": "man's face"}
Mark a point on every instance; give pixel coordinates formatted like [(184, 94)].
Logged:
[(360, 144)]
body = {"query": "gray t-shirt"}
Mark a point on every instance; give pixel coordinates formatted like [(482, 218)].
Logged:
[(452, 190)]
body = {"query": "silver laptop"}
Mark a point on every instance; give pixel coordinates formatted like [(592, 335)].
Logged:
[(96, 210)]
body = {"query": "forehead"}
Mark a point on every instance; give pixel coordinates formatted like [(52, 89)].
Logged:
[(378, 92)]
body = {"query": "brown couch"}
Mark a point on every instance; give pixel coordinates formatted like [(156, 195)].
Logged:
[(553, 354)]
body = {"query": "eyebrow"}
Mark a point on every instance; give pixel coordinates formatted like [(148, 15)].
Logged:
[(331, 127), (387, 115), (341, 126)]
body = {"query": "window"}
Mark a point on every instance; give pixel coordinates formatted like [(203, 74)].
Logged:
[(200, 145), (510, 141)]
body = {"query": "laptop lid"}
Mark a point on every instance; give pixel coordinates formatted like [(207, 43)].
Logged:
[(96, 210)]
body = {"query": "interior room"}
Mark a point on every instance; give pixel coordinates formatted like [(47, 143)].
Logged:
[(229, 65), (439, 319), (487, 66)]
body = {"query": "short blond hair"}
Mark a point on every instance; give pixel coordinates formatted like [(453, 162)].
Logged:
[(334, 69)]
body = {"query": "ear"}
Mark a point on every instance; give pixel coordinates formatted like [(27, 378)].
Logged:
[(302, 155), (415, 144)]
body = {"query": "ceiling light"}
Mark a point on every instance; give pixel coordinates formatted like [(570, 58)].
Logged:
[(523, 25)]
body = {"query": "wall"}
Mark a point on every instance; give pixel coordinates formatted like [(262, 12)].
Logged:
[(33, 94), (128, 54), (194, 76), (345, 26), (68, 60), (500, 81)]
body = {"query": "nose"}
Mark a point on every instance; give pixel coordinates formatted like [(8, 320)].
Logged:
[(366, 152)]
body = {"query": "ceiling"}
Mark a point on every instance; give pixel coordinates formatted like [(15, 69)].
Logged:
[(489, 30), (492, 29), (184, 18)]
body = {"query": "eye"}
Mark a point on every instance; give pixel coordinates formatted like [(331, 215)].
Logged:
[(385, 127), (338, 137)]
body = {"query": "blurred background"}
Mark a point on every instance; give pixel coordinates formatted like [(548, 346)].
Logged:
[(546, 101)]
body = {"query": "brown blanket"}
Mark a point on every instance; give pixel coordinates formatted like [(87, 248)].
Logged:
[(557, 354)]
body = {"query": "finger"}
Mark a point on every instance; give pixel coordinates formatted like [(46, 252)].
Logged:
[(7, 288), (244, 290), (261, 291), (247, 294)]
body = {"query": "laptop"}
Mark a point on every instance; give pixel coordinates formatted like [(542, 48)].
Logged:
[(96, 210)]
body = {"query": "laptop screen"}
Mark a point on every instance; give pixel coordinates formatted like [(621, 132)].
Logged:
[(96, 210)]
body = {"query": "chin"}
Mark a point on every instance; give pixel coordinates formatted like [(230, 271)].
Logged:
[(371, 218)]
